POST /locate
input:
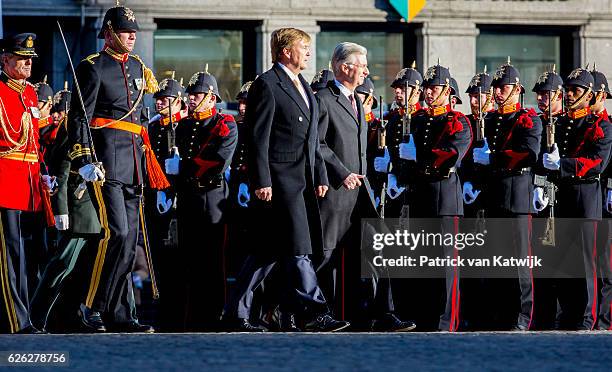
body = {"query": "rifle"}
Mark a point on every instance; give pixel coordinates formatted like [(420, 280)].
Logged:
[(480, 223), (550, 189), (382, 200), (382, 145), (406, 130), (407, 117)]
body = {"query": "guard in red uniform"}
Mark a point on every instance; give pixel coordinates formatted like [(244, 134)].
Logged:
[(20, 177)]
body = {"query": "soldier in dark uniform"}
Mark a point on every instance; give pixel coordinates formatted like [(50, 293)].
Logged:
[(390, 159), (369, 102), (45, 96), (580, 155), (113, 83), (513, 135), (549, 95), (25, 190), (440, 139), (159, 211), (206, 141), (320, 80), (604, 237), (455, 98)]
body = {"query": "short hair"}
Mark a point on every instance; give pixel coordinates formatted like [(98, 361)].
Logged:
[(285, 38), (343, 53)]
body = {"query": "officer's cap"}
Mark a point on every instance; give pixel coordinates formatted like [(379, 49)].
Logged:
[(203, 82), (367, 88), (20, 45), (548, 81), (244, 91), (320, 80), (600, 82), (580, 77), (118, 18)]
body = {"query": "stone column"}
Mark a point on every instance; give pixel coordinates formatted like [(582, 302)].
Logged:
[(453, 41), (596, 47), (264, 58)]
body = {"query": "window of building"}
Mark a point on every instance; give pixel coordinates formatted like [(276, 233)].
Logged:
[(387, 51), (187, 51), (531, 51)]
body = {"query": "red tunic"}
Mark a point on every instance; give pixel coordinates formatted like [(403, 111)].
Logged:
[(20, 170)]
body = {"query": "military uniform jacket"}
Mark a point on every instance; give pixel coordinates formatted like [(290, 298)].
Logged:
[(19, 156), (284, 154), (343, 138), (584, 146), (514, 140), (206, 147), (395, 135), (112, 86), (442, 137), (239, 167)]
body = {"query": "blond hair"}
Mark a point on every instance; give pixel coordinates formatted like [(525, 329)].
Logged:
[(285, 38)]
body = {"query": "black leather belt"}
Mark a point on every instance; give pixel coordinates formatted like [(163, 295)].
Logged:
[(511, 172), (573, 180), (436, 173), (204, 184)]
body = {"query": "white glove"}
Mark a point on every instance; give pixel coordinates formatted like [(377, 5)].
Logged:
[(482, 154), (539, 201), (91, 173), (50, 182), (407, 151), (469, 194), (552, 160), (163, 204), (392, 190), (609, 201), (172, 164), (243, 195), (62, 222), (381, 163)]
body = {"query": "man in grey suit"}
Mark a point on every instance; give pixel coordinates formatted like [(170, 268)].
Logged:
[(287, 175), (343, 137)]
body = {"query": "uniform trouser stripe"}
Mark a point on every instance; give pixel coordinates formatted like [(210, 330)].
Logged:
[(97, 270), (529, 253), (454, 323), (594, 306), (147, 250), (6, 287)]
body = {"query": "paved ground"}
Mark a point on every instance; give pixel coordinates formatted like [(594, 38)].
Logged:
[(552, 351)]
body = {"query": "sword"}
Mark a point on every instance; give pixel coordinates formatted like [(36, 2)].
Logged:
[(78, 193)]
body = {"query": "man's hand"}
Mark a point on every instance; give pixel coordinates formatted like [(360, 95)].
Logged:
[(49, 182), (392, 189), (243, 195), (352, 181), (609, 200), (172, 163), (91, 173), (321, 191), (482, 155), (265, 193), (163, 204), (552, 160), (407, 150), (62, 222), (539, 200), (469, 193), (381, 163)]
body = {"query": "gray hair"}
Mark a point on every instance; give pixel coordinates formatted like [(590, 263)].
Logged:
[(343, 53)]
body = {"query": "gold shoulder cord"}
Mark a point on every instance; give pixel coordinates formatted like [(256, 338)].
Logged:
[(26, 123)]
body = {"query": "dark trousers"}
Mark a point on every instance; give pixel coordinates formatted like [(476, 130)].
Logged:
[(53, 280), (201, 251), (14, 309), (300, 291), (110, 286), (604, 256)]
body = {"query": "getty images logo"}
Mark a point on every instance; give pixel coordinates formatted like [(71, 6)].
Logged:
[(408, 9)]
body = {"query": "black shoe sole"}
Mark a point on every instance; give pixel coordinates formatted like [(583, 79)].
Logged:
[(89, 327)]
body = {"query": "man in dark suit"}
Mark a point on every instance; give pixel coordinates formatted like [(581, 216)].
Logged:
[(343, 134), (284, 158)]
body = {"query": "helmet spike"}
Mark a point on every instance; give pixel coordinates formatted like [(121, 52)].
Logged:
[(65, 85), (509, 60), (173, 74), (413, 66), (117, 3), (45, 79), (554, 67), (587, 65), (329, 66), (206, 68), (594, 69), (438, 61), (181, 82), (484, 70)]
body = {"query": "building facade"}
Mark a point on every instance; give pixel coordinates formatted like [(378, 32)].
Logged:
[(232, 36)]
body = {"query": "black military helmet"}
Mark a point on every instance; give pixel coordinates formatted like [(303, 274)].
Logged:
[(507, 74), (203, 82), (44, 91), (480, 82), (437, 75), (244, 91), (169, 87), (600, 82), (118, 18), (455, 90), (61, 99), (20, 44), (409, 75), (320, 80), (367, 88), (548, 81), (580, 77)]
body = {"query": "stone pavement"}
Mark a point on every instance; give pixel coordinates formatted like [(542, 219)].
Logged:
[(554, 351)]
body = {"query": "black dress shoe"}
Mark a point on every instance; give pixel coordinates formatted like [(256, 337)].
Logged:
[(391, 323), (91, 320), (288, 323), (243, 325), (31, 330), (325, 323), (131, 327), (520, 328)]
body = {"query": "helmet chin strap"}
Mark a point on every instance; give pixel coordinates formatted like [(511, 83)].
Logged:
[(166, 110), (118, 43), (205, 100), (436, 102), (580, 100), (515, 87)]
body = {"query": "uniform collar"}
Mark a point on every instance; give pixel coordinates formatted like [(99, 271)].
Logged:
[(577, 114), (508, 109), (437, 111), (15, 85), (203, 115), (120, 57), (413, 109)]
